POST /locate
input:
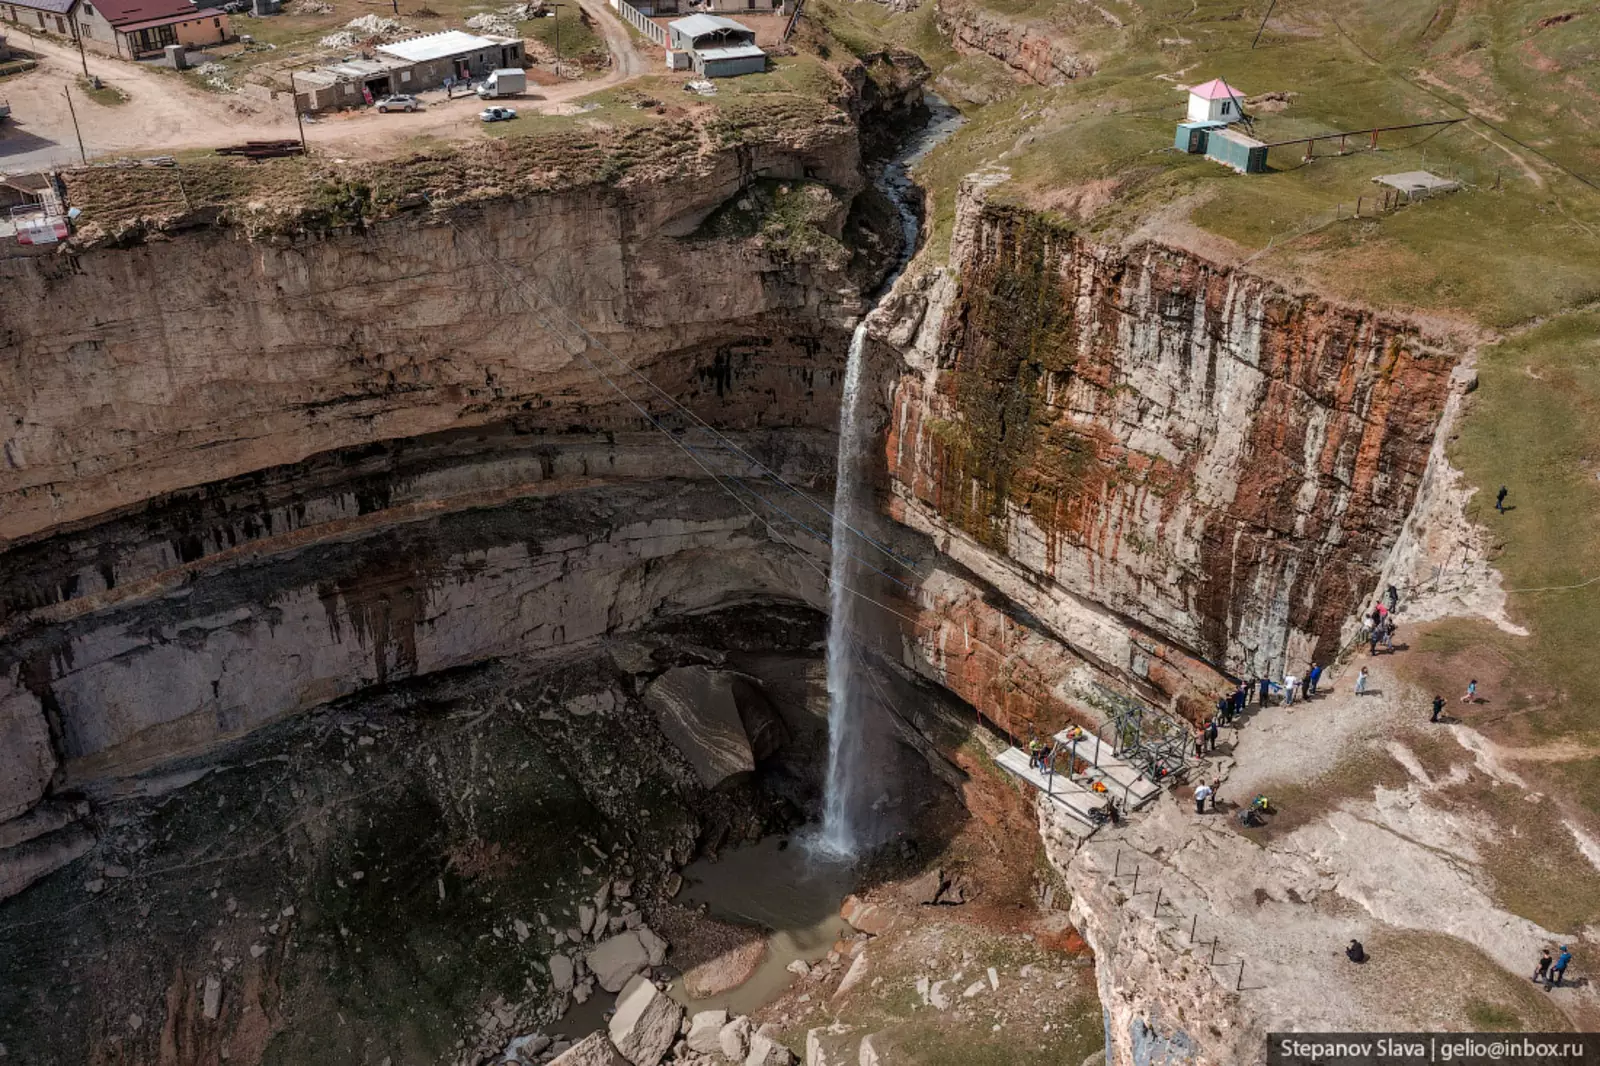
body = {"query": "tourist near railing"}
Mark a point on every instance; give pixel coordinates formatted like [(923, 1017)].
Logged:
[(641, 22)]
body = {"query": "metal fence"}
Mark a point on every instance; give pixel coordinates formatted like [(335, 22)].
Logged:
[(641, 22)]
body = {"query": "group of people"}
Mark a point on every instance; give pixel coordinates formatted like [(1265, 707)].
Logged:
[(1551, 971), (1378, 623)]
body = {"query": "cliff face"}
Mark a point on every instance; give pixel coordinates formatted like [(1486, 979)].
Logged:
[(244, 478), (1038, 54), (1144, 449), (203, 356)]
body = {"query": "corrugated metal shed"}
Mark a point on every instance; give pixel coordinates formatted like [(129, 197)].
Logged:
[(1235, 149), (694, 26), (440, 45)]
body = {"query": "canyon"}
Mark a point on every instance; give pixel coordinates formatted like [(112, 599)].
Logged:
[(379, 594)]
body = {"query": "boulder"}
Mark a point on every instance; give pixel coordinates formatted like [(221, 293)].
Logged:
[(867, 917), (586, 915), (763, 725), (734, 1040), (833, 1046), (211, 1001), (696, 709), (765, 1051), (853, 976), (704, 1028), (925, 889), (654, 946), (873, 1050), (727, 971), (646, 1022), (562, 973), (592, 1050), (616, 960)]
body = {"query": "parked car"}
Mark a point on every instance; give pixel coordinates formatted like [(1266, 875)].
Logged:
[(497, 114), (399, 103), (235, 7)]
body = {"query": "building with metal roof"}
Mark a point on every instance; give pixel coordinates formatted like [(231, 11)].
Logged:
[(1214, 101), (128, 28), (717, 47)]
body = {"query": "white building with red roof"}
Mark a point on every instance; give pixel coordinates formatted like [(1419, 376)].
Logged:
[(1215, 101)]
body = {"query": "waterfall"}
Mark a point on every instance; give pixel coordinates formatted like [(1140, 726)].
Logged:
[(841, 833), (845, 810)]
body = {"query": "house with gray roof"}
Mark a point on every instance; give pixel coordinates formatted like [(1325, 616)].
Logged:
[(717, 47)]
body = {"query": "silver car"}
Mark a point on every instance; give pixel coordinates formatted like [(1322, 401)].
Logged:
[(398, 103)]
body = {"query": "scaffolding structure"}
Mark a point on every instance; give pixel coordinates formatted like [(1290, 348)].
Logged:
[(1161, 747)]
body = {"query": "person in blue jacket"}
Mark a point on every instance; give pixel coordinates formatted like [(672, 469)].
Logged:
[(1559, 970)]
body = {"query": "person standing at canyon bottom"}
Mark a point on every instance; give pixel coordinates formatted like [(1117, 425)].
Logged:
[(1394, 598), (1438, 708), (1216, 786), (1316, 674), (1361, 682), (1290, 683), (1202, 793)]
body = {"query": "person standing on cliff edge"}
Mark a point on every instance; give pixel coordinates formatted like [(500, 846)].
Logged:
[(1500, 500)]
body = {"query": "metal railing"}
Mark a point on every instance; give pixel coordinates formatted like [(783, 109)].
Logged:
[(641, 22)]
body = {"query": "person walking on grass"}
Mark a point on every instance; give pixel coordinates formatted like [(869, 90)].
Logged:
[(1472, 692), (1500, 500), (1438, 708), (1361, 682)]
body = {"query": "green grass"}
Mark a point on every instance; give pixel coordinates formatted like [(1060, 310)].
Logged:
[(107, 95), (1534, 426), (579, 40)]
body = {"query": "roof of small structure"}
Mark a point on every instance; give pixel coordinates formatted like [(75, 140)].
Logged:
[(734, 51), (441, 45), (700, 25), (56, 7), (1215, 89), (144, 12), (165, 20)]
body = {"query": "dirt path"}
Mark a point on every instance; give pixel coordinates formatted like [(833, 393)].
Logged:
[(165, 113)]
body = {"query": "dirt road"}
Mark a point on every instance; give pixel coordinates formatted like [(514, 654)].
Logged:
[(166, 113)]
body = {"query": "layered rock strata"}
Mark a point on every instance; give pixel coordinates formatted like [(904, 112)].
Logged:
[(1174, 469)]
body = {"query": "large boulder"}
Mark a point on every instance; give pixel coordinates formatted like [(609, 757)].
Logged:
[(618, 959), (735, 1039), (592, 1050), (655, 948), (704, 1030), (562, 973), (646, 1022), (766, 1051), (696, 709), (762, 724)]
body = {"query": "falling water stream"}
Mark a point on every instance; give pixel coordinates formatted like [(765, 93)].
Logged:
[(846, 811)]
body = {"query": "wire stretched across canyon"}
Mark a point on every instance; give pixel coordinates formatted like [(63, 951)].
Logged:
[(694, 453)]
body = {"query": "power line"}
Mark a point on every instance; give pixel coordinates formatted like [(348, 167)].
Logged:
[(694, 418), (693, 453)]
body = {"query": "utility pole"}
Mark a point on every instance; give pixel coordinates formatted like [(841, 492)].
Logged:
[(294, 102), (557, 17), (81, 153), (1263, 27), (84, 59)]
